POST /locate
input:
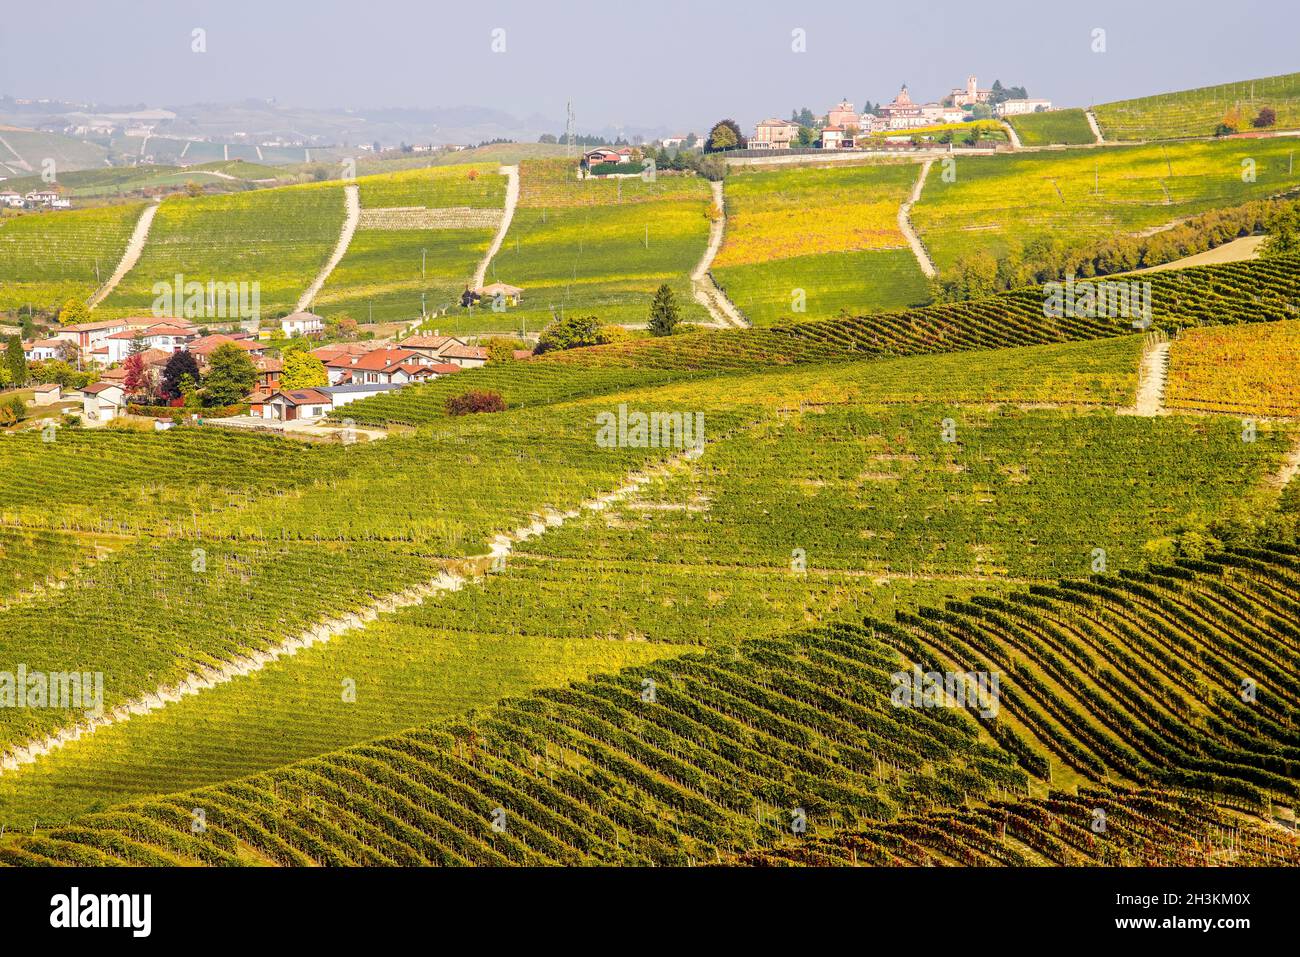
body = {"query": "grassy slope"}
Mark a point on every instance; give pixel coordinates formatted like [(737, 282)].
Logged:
[(998, 202), (831, 233)]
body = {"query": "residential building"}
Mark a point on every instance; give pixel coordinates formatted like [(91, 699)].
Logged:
[(836, 138), (431, 347), (467, 357), (605, 154), (296, 405), (341, 395), (102, 402), (166, 337), (44, 350), (11, 199), (89, 336), (511, 295), (774, 134), (302, 324), (1020, 107)]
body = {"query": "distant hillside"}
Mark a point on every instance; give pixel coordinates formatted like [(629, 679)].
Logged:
[(22, 152), (1198, 112)]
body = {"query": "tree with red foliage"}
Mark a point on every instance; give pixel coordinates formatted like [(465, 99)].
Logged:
[(475, 400)]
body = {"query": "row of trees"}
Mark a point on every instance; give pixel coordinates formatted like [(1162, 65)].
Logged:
[(1051, 258)]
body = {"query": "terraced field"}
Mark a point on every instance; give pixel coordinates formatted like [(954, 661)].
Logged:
[(47, 258), (601, 247), (1242, 370), (1001, 203), (830, 234), (1052, 128), (278, 238), (1197, 112)]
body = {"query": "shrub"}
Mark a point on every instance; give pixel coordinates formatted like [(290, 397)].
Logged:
[(475, 400)]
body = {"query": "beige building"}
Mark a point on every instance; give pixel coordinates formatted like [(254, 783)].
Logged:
[(774, 135)]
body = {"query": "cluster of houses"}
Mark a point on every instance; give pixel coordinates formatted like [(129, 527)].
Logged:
[(49, 197), (355, 370), (901, 114)]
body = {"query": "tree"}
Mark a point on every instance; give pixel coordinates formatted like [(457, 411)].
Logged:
[(1283, 234), (1267, 117), (664, 316), (231, 375), (180, 364), (15, 361), (572, 332), (725, 135), (502, 348), (302, 370), (547, 138), (134, 381), (73, 311)]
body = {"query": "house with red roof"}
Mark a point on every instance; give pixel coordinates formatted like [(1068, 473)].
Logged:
[(102, 402), (295, 405)]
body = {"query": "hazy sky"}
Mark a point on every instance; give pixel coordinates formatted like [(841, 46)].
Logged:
[(644, 64)]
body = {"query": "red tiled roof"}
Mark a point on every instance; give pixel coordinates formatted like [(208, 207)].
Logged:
[(465, 352), (99, 387), (443, 368), (304, 397), (382, 359)]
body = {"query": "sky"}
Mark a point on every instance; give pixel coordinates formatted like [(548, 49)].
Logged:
[(670, 64)]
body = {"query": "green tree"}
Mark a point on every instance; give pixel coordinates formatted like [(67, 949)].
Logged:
[(15, 361), (725, 135), (664, 315), (73, 311), (1283, 234), (302, 370), (571, 333), (231, 375)]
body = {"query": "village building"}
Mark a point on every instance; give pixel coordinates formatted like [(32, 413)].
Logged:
[(44, 350), (842, 115), (510, 295), (1020, 107), (605, 154), (467, 357), (166, 337), (302, 324), (44, 195), (296, 405), (970, 94), (836, 138), (11, 199), (102, 402), (774, 134), (47, 394), (341, 395), (431, 347), (89, 336)]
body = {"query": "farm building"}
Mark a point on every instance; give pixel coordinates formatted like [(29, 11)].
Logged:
[(47, 394), (102, 402), (510, 295)]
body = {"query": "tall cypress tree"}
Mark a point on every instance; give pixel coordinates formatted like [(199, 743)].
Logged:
[(664, 316), (15, 361)]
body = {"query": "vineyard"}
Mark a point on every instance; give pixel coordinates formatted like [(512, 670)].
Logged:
[(1002, 203), (476, 184), (1245, 370), (1053, 127), (1198, 112), (711, 755), (277, 238), (45, 258), (1244, 292), (810, 244), (1098, 826)]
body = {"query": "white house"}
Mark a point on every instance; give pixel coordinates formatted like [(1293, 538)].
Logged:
[(89, 336), (165, 337), (11, 199), (43, 351), (102, 402), (1020, 107), (297, 405), (43, 196), (302, 324), (836, 138)]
